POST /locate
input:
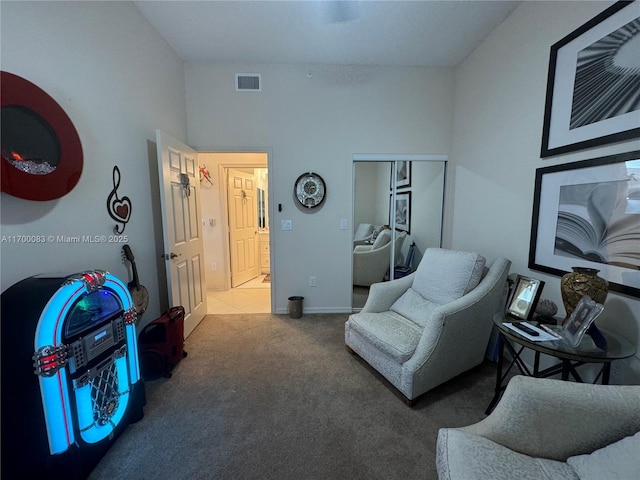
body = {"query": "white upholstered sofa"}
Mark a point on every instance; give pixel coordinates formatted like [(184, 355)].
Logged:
[(548, 429), (423, 329)]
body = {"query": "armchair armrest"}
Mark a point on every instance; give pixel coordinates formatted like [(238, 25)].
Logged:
[(362, 241), (383, 295), (556, 419)]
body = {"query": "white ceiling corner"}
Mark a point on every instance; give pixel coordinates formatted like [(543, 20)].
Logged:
[(395, 33)]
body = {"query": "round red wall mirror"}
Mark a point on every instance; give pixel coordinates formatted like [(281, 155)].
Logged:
[(41, 149)]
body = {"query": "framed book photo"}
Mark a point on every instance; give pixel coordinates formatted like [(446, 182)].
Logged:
[(525, 296), (588, 214), (593, 83)]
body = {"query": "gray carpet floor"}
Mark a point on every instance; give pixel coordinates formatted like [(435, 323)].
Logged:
[(269, 397)]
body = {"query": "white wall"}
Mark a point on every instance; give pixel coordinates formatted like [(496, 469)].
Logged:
[(499, 107), (118, 81), (315, 118)]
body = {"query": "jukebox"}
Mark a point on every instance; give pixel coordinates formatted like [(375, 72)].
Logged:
[(70, 374)]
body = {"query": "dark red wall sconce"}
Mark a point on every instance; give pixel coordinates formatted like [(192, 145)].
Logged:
[(41, 150)]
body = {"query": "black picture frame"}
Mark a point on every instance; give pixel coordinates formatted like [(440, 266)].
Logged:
[(524, 297), (402, 211), (587, 214), (402, 178), (581, 115)]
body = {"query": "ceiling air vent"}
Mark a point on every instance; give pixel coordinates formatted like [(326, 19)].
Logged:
[(248, 82)]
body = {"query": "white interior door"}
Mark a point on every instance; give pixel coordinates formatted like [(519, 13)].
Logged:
[(243, 227), (182, 227)]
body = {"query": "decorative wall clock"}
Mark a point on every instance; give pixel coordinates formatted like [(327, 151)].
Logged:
[(310, 190)]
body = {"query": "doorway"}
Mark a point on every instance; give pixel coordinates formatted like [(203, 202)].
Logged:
[(238, 274)]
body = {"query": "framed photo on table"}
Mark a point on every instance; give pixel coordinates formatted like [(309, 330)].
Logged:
[(587, 214), (579, 112), (580, 320), (525, 296)]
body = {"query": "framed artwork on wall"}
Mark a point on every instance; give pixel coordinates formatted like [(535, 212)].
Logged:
[(593, 84), (402, 211), (402, 178), (587, 214)]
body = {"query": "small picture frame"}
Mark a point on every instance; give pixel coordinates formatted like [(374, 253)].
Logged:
[(525, 296), (402, 177), (580, 320)]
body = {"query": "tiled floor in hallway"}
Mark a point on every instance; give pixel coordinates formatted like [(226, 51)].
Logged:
[(244, 299)]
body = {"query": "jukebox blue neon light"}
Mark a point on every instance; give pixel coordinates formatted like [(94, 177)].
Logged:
[(83, 359)]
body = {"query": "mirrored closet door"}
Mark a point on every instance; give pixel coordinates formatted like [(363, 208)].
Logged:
[(398, 203)]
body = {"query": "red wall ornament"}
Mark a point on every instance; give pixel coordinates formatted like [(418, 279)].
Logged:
[(41, 150)]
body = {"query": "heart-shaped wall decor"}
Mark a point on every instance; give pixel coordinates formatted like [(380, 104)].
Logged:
[(119, 208)]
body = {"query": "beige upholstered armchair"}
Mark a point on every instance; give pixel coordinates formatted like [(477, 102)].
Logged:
[(423, 329), (371, 262), (363, 234), (551, 429)]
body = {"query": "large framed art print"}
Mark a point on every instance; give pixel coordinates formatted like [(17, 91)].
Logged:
[(587, 214), (593, 84)]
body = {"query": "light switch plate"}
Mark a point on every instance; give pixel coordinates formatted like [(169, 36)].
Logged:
[(344, 224)]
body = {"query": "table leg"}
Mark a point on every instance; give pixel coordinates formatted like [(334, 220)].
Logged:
[(498, 389), (606, 371)]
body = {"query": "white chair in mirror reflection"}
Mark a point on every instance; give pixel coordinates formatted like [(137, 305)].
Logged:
[(371, 262), (363, 234)]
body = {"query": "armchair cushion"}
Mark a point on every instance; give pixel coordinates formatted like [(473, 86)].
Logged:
[(446, 275), (390, 333), (611, 462), (382, 239), (414, 306)]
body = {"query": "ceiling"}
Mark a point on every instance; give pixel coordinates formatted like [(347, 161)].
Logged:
[(395, 33)]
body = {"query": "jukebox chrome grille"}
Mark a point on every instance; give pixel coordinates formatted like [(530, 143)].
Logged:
[(104, 394), (103, 387)]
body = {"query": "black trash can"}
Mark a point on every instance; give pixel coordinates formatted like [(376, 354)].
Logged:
[(295, 307)]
